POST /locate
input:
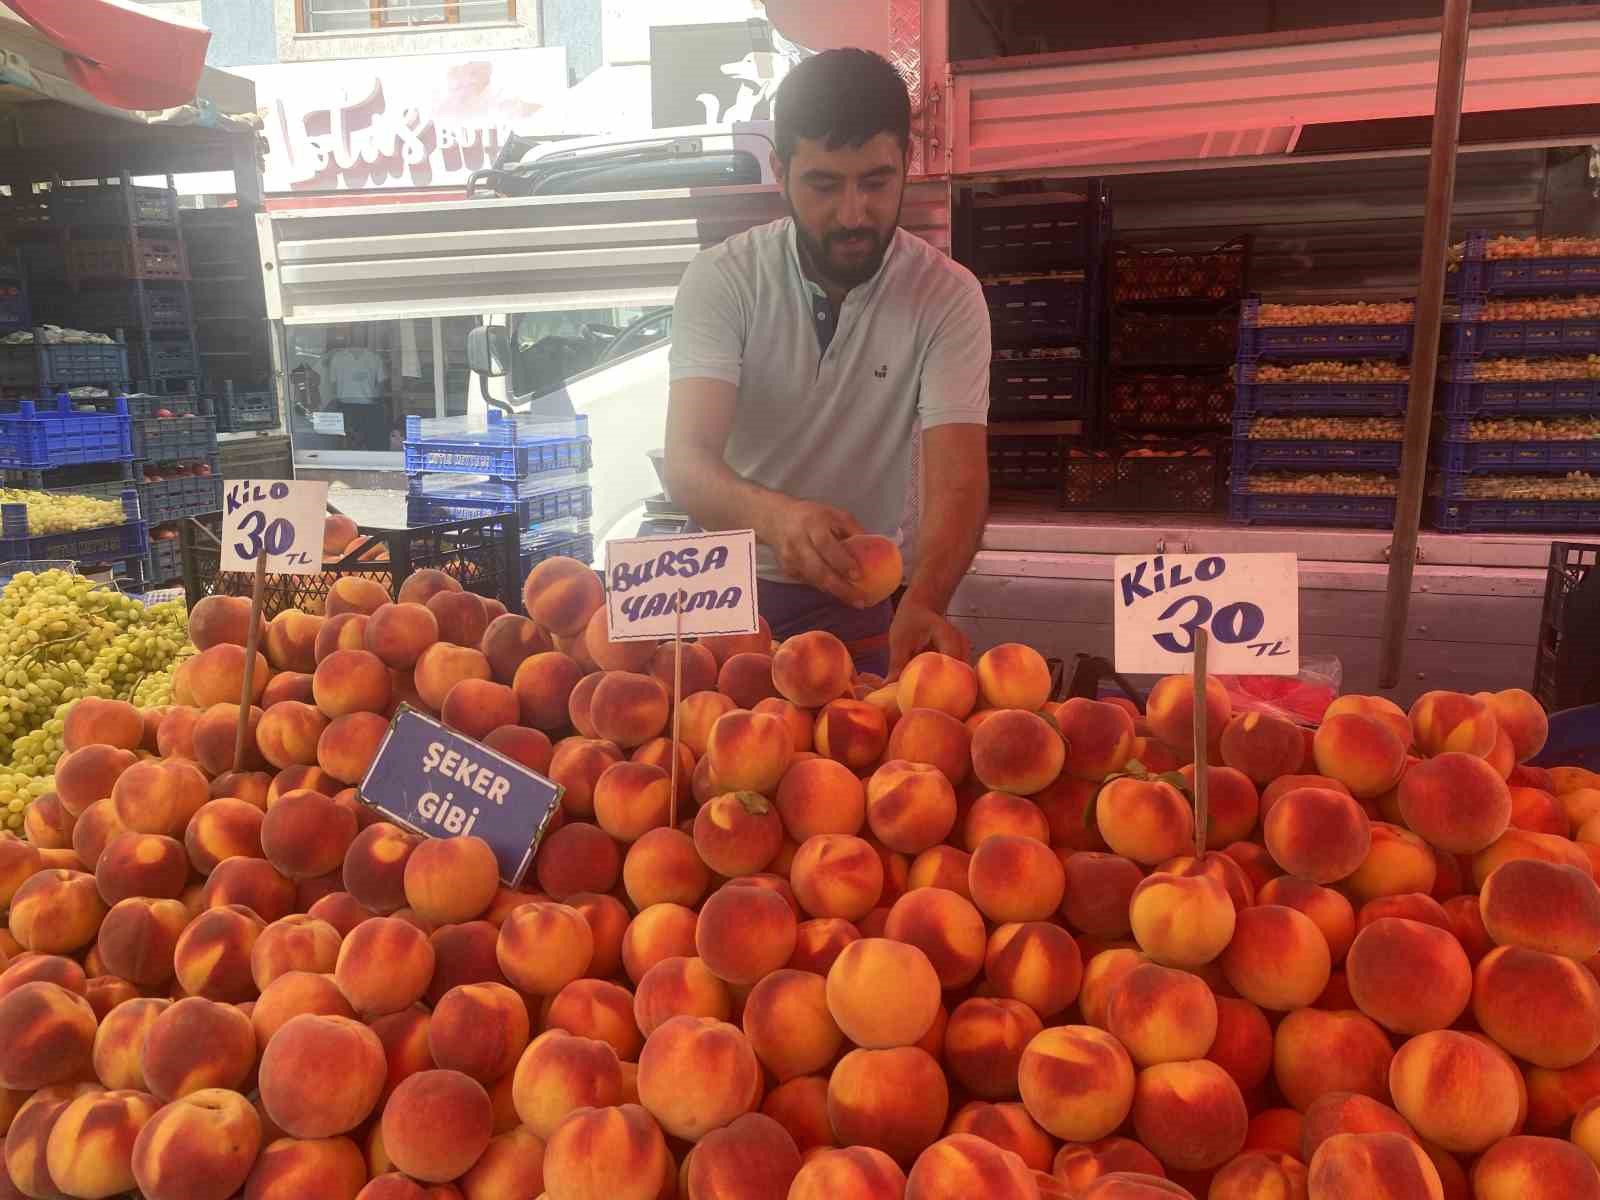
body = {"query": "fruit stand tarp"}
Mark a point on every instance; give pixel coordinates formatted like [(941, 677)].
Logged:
[(122, 54)]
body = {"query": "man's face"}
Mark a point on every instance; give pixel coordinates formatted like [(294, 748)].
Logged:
[(845, 204)]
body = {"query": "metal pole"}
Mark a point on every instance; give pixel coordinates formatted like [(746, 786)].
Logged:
[(1424, 361)]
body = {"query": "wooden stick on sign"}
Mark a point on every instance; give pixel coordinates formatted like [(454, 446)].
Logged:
[(1201, 739), (677, 706), (252, 645)]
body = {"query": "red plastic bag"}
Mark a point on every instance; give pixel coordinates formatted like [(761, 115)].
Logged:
[(1301, 698)]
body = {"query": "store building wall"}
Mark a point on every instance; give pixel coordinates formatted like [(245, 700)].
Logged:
[(518, 29), (242, 34)]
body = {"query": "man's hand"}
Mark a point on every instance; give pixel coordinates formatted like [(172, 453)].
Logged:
[(808, 539), (917, 628)]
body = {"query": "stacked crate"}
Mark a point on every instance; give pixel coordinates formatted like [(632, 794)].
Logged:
[(462, 468), (1037, 256), (1319, 420), (1517, 438), (1172, 322), (230, 316)]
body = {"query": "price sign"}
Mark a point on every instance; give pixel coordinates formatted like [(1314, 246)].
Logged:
[(1249, 604), (440, 784), (710, 576), (275, 517)]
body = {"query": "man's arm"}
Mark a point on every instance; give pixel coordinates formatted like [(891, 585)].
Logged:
[(954, 508), (807, 537)]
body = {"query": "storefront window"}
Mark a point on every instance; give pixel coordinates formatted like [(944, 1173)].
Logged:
[(352, 386)]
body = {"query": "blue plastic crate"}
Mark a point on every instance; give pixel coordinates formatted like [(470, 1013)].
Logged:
[(1477, 275), (505, 447), (14, 310), (184, 496), (39, 367), (1320, 399), (1038, 310), (1360, 512), (108, 543), (487, 487), (174, 439), (578, 546), (63, 437), (1258, 341), (1307, 455), (1471, 336), (1461, 395), (1462, 455), (1454, 515), (574, 502)]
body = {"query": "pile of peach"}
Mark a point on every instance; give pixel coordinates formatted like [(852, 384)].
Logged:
[(937, 940)]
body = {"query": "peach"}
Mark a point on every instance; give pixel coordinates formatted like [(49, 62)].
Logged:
[(1455, 801), (218, 676), (437, 1124), (962, 1165), (1099, 738), (1016, 879), (94, 721), (290, 643), (321, 1076), (1161, 1015), (423, 585), (631, 799), (561, 594), (1521, 717), (350, 681), (346, 631), (749, 751), (139, 864), (374, 866), (1190, 1115), (1347, 1112), (941, 867), (820, 796), (1013, 676), (295, 943), (984, 1041), (478, 1029), (1182, 921), (543, 947), (1543, 906), (216, 739), (1078, 1166), (946, 928), (1278, 958), (1397, 863), (218, 619), (199, 1147), (119, 1043), (212, 958), (1262, 747), (1329, 910), (738, 833), (1516, 844), (56, 911), (559, 1074), (459, 616), (927, 735), (801, 1107), (543, 682), (697, 713), (1407, 976), (88, 774), (871, 968), (508, 642), (1459, 1093), (399, 633), (90, 1148), (288, 1168), (789, 1026), (1316, 1052), (306, 834), (1534, 1168), (852, 732), (253, 883), (810, 669), (221, 829), (836, 875), (354, 593), (50, 1036), (1169, 710), (138, 937), (384, 965), (195, 1044), (449, 880), (577, 764), (880, 567), (608, 1154), (1243, 1045), (1101, 975), (290, 995), (1219, 867), (697, 1074), (254, 787), (752, 1155), (1538, 811), (598, 1009), (1360, 752), (26, 1164), (910, 807), (746, 679), (679, 986), (1382, 1166), (1317, 834), (1066, 805), (47, 824), (1232, 804), (1453, 721), (1077, 1082), (477, 707), (852, 1173), (744, 934), (1542, 1008), (1018, 752), (577, 858), (1275, 1131), (662, 866), (1146, 820), (892, 1100), (629, 709), (1288, 783), (1099, 888), (937, 681), (698, 670)]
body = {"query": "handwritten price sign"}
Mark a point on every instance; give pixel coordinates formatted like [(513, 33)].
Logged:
[(711, 576), (1249, 604), (277, 518)]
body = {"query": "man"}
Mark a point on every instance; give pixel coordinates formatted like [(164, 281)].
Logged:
[(358, 376), (805, 356)]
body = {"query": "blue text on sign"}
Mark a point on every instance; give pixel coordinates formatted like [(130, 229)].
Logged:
[(249, 492), (1134, 586)]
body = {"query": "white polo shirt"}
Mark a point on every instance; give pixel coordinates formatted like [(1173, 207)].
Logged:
[(911, 349)]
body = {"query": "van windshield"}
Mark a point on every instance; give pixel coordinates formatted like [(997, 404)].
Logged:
[(550, 349)]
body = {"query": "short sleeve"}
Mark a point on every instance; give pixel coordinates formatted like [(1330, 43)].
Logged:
[(708, 324), (955, 369)]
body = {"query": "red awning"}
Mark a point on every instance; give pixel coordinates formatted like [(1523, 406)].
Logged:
[(121, 53)]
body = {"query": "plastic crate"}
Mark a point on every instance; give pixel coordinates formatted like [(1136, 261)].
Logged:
[(1041, 232), (1310, 455), (42, 251), (1470, 335), (219, 236), (174, 439), (137, 256), (1141, 339), (1317, 399), (1459, 454), (1026, 461), (1164, 401), (1360, 512), (563, 501), (506, 447), (36, 367), (236, 297), (1477, 275), (1455, 515), (1038, 389), (1319, 341), (113, 204), (185, 496), (482, 554), (160, 360), (1189, 483), (106, 479), (143, 405), (575, 546), (1163, 276), (106, 544), (61, 436), (1565, 684), (1038, 310), (1460, 395), (154, 307), (164, 563), (15, 312), (245, 411)]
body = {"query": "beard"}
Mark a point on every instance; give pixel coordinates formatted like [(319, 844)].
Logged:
[(845, 258)]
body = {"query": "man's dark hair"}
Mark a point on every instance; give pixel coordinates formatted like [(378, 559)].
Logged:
[(844, 98)]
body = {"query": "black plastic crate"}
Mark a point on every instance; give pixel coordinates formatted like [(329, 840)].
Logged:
[(1165, 276), (113, 204), (1571, 596), (1149, 477), (161, 359), (154, 307), (139, 255), (1026, 461), (482, 554), (174, 439), (240, 411), (217, 237), (1161, 400), (42, 251), (37, 367), (234, 297), (1141, 339), (1040, 389), (1039, 232), (1039, 310)]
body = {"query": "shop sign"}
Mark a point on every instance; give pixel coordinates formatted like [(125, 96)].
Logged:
[(274, 517), (1248, 604), (694, 585), (440, 784)]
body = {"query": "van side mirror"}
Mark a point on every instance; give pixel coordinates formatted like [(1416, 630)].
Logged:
[(489, 350)]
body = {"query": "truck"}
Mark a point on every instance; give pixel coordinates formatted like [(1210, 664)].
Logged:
[(1313, 144)]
